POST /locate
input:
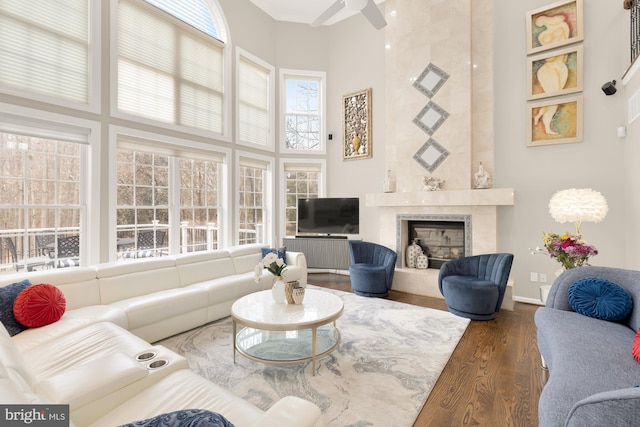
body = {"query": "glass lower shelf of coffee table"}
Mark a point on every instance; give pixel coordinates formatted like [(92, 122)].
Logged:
[(287, 346)]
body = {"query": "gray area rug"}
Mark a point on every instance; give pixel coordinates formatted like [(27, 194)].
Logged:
[(381, 374)]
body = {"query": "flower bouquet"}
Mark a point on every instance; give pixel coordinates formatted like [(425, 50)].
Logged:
[(569, 250), (273, 264)]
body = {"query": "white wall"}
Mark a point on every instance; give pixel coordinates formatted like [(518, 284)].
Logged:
[(536, 173), (356, 62)]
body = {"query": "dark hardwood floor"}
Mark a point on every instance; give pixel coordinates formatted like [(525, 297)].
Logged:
[(493, 378)]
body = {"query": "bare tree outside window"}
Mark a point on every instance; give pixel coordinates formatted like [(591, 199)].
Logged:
[(300, 184), (39, 196), (251, 204), (302, 117)]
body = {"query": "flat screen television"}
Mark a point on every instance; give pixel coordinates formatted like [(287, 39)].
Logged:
[(329, 215)]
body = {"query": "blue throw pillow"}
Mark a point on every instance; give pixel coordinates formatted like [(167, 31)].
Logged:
[(8, 295), (184, 418), (281, 252), (600, 298)]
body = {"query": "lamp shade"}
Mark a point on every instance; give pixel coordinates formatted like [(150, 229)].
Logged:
[(578, 205)]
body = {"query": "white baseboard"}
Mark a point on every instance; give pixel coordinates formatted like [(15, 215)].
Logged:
[(528, 300)]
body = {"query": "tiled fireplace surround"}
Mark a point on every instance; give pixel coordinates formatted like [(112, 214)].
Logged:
[(395, 209), (454, 36)]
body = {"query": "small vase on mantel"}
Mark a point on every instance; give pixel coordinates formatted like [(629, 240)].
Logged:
[(278, 290), (413, 250)]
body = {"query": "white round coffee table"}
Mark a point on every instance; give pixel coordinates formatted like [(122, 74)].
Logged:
[(286, 333)]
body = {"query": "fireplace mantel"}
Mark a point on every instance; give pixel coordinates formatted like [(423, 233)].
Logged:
[(484, 197)]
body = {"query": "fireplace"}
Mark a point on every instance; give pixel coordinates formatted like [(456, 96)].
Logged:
[(440, 241), (441, 237), (473, 207)]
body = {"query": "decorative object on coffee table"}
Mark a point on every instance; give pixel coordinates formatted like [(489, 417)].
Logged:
[(288, 290), (278, 291), (275, 266), (298, 295)]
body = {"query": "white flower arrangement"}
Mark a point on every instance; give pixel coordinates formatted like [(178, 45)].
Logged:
[(274, 265)]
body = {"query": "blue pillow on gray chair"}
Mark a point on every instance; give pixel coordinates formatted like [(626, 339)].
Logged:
[(600, 298), (184, 418)]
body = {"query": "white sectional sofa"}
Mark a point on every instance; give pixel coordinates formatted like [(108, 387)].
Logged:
[(92, 358)]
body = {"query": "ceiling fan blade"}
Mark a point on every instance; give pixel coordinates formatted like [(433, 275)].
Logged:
[(333, 9), (373, 14)]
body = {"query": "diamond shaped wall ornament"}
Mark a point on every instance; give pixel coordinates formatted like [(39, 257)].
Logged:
[(431, 155), (431, 118), (431, 80)]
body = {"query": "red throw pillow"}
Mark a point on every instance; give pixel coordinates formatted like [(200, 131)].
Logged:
[(635, 350), (39, 305)]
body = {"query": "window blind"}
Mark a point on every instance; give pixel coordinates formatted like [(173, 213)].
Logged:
[(248, 162), (163, 148), (303, 167), (168, 70), (253, 103), (44, 47), (37, 128)]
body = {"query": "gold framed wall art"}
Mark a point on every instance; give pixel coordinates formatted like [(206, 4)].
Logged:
[(356, 109)]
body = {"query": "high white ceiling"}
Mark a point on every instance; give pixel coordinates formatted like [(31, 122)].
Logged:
[(303, 11)]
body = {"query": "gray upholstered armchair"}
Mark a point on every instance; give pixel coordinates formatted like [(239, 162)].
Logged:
[(371, 269), (474, 286)]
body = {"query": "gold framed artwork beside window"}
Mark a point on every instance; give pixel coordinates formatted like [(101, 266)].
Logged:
[(357, 125)]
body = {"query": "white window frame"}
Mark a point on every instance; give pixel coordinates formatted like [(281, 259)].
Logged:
[(226, 135), (241, 53), (286, 73), (268, 197), (94, 71), (224, 237), (322, 186), (90, 218)]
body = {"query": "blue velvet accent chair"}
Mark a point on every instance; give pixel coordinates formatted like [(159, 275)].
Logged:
[(474, 286), (371, 269)]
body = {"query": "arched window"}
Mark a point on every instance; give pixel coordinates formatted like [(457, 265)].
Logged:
[(171, 63)]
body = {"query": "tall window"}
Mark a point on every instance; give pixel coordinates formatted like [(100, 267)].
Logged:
[(199, 223), (252, 200), (302, 180), (147, 184), (303, 118), (168, 70), (143, 201), (44, 48), (255, 100), (41, 202)]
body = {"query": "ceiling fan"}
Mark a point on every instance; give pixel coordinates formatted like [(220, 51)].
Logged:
[(367, 7)]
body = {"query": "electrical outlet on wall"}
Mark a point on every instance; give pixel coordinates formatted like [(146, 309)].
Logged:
[(534, 277)]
